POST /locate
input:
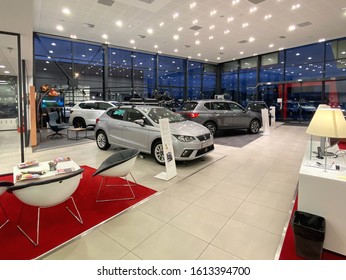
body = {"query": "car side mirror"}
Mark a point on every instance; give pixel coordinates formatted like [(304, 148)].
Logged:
[(140, 122)]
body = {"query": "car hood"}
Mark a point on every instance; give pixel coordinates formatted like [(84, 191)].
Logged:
[(188, 128)]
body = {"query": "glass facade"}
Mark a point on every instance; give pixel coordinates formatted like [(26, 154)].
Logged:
[(310, 74)]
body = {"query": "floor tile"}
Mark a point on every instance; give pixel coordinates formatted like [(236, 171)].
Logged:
[(262, 217), (214, 253), (163, 207), (131, 228), (170, 243), (233, 189), (185, 191), (199, 222), (93, 246), (219, 203), (247, 242)]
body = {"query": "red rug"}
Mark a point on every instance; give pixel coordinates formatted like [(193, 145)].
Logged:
[(288, 251), (57, 225)]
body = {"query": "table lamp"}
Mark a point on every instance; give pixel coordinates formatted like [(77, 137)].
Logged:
[(328, 123)]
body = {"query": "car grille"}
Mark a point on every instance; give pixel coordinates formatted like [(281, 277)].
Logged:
[(204, 150), (203, 137)]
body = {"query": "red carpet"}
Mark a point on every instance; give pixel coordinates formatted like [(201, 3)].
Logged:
[(57, 225), (288, 251)]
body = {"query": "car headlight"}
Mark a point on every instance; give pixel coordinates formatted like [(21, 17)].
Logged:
[(184, 138)]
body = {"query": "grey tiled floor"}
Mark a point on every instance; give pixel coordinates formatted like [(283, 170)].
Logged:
[(232, 204)]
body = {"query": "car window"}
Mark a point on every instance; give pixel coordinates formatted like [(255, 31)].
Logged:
[(88, 105), (104, 105), (117, 114), (235, 107), (161, 113), (188, 106), (220, 106), (208, 105), (133, 114)]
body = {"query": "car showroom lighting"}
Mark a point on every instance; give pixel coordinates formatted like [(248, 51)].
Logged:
[(197, 42), (226, 31), (321, 40), (199, 54), (251, 39), (196, 33), (192, 5), (253, 9), (194, 21), (267, 17), (132, 41), (213, 12), (175, 15), (221, 48), (66, 11), (229, 19), (211, 27), (245, 24), (218, 58), (175, 50), (150, 31), (291, 27), (241, 52), (211, 37), (235, 2), (294, 7), (105, 36), (7, 72), (180, 29), (53, 44), (156, 46), (2, 66), (73, 36), (271, 45), (60, 27), (119, 23), (176, 37), (162, 24)]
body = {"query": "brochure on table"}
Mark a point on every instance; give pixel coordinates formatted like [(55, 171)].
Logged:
[(171, 170)]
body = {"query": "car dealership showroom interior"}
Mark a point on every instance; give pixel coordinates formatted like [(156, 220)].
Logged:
[(172, 130)]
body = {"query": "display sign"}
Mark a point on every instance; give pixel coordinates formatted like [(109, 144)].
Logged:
[(171, 170), (265, 121)]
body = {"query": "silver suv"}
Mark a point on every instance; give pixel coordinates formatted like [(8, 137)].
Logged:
[(137, 127), (85, 113), (221, 115)]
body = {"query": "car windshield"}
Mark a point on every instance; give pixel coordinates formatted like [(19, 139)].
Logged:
[(162, 113)]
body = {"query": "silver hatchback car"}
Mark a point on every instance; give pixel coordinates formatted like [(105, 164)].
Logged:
[(137, 126), (221, 115)]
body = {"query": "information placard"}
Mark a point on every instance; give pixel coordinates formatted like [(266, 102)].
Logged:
[(171, 170)]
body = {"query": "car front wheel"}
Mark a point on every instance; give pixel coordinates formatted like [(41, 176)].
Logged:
[(102, 141), (254, 127), (157, 152), (211, 126)]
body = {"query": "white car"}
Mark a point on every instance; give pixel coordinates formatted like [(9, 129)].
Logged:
[(85, 113)]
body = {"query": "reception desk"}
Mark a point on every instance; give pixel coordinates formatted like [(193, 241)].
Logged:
[(323, 193)]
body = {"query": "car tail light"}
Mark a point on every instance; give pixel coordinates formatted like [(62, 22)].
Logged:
[(97, 120), (192, 115)]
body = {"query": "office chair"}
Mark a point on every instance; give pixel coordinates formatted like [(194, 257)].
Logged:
[(3, 187), (119, 164), (56, 127), (47, 192)]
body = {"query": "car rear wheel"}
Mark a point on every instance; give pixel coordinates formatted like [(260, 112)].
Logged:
[(254, 126), (211, 126), (102, 141), (157, 152), (79, 122)]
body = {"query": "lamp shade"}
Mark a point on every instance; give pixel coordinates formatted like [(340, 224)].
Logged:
[(328, 122)]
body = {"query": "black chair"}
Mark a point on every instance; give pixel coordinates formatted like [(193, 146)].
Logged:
[(119, 164), (3, 187), (56, 127)]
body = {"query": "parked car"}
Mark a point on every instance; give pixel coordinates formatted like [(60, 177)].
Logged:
[(85, 113), (137, 126), (221, 115)]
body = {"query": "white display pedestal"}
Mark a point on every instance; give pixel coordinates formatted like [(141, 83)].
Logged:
[(265, 121), (272, 113), (323, 193), (171, 170)]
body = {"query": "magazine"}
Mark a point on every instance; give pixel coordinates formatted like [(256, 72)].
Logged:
[(65, 170), (28, 164), (27, 176), (61, 159)]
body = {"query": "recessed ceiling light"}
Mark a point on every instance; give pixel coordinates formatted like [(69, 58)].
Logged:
[(271, 45), (197, 42), (291, 27), (105, 36), (180, 29), (90, 49), (241, 53), (66, 11), (213, 12), (194, 21), (206, 59), (226, 31), (162, 24), (176, 50), (251, 39), (2, 66), (211, 27), (175, 15), (221, 48), (119, 23), (267, 17), (211, 37), (51, 51), (321, 40), (132, 41), (156, 46), (235, 2), (150, 30), (192, 5), (253, 9), (280, 49), (7, 72), (298, 54), (196, 33), (199, 54), (229, 19), (53, 44), (60, 28), (73, 36), (218, 58), (176, 37), (189, 57), (297, 6)]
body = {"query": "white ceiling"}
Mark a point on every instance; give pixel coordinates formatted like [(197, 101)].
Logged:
[(319, 19)]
